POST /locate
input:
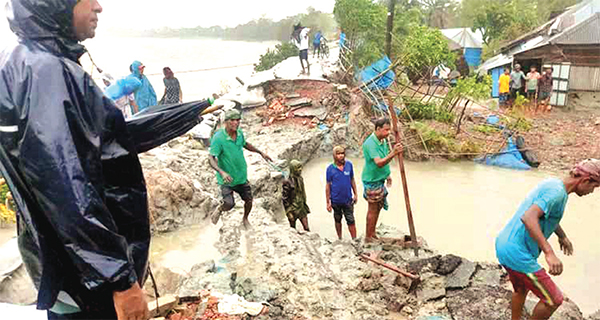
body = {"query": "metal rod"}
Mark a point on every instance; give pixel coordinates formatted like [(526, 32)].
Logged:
[(385, 265)]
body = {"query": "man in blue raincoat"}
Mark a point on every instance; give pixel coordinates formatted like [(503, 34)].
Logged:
[(144, 96), (72, 167)]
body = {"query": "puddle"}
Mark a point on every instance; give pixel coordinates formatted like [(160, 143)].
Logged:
[(181, 250), (461, 207)]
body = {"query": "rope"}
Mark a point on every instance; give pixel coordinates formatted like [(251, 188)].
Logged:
[(207, 69)]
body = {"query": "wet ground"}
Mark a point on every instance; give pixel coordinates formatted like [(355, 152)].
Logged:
[(460, 208)]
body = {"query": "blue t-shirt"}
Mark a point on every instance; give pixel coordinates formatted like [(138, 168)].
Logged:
[(341, 183), (317, 39), (515, 248)]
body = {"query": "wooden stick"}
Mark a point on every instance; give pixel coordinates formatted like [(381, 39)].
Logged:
[(400, 158)]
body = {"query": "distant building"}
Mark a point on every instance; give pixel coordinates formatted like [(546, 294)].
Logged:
[(569, 42)]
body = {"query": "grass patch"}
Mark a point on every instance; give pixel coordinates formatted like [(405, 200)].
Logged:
[(427, 111), (440, 142), (486, 129)]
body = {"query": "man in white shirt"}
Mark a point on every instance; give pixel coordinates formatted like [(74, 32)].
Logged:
[(300, 39)]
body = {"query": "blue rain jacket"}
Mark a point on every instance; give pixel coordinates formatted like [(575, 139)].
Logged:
[(122, 87), (144, 96), (70, 163)]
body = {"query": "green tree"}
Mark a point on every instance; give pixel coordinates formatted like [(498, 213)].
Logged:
[(423, 49), (439, 13), (364, 23)]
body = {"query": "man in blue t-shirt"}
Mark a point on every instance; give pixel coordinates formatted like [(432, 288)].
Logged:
[(520, 243), (341, 191)]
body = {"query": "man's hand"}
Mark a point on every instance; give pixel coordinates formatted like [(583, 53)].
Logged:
[(266, 157), (566, 246), (226, 177), (329, 208), (398, 148), (554, 264), (354, 199), (389, 182), (131, 304)]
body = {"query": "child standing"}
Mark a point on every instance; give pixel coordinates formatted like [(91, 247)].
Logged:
[(504, 87), (340, 191)]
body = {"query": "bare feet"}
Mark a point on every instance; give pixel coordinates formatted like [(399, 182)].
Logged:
[(246, 224)]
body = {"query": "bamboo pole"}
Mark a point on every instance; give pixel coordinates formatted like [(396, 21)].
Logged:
[(400, 158)]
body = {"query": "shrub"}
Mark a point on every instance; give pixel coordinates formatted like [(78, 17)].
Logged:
[(427, 111), (272, 57)]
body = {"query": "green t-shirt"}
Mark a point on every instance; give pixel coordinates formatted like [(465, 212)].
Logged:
[(230, 155), (373, 148)]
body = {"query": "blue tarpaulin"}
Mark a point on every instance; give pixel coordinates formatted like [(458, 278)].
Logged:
[(473, 56), (510, 158), (374, 70)]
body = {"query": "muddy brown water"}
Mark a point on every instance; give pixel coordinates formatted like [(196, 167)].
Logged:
[(460, 208)]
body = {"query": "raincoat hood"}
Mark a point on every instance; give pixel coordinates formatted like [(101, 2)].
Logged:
[(295, 168), (135, 69), (145, 96), (48, 23)]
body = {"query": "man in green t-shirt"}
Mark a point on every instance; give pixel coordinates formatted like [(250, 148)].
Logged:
[(227, 158), (376, 172)]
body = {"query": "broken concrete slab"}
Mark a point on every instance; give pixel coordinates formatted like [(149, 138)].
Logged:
[(447, 264), (298, 102), (318, 112), (430, 264), (488, 274), (432, 287), (461, 277), (479, 302)]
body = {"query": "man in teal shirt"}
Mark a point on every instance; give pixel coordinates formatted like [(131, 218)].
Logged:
[(520, 243), (227, 158), (376, 172)]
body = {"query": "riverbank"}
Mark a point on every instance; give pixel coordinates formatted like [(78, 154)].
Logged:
[(301, 275)]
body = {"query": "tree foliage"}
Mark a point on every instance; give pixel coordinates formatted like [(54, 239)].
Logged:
[(424, 48), (364, 23), (508, 19)]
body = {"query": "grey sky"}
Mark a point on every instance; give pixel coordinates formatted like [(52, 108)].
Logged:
[(146, 14)]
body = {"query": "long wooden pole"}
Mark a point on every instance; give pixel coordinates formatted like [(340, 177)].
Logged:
[(400, 158)]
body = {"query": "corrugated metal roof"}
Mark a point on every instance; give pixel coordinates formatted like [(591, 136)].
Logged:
[(571, 17), (496, 61), (586, 32)]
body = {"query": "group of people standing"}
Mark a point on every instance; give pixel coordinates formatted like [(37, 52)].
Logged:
[(535, 86), (227, 159), (135, 93)]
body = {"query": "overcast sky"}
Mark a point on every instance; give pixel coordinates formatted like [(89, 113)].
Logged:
[(147, 14)]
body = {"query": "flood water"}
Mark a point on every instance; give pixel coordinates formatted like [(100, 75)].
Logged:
[(460, 208)]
